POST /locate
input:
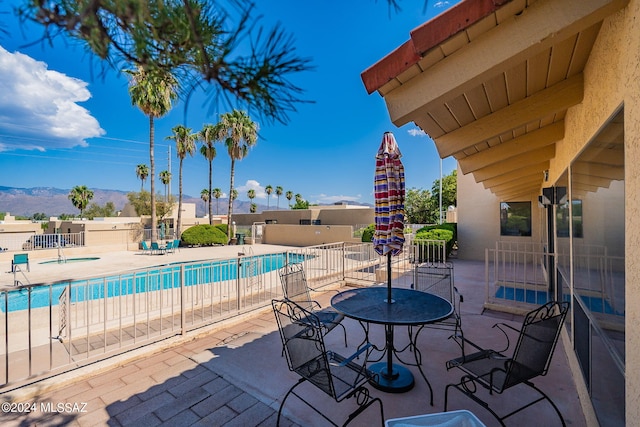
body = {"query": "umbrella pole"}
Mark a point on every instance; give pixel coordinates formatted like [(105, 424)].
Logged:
[(389, 300)]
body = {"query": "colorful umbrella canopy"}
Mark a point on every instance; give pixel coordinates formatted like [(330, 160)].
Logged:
[(389, 198)]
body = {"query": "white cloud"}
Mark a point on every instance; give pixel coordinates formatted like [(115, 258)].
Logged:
[(254, 185), (39, 107), (325, 198), (416, 132)]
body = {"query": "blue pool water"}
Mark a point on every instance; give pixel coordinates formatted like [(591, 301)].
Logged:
[(594, 304), (161, 278)]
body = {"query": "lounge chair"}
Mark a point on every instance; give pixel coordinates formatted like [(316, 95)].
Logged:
[(169, 247), (145, 248), (18, 260), (157, 249)]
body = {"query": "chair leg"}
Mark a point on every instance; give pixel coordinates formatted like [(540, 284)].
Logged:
[(300, 381)]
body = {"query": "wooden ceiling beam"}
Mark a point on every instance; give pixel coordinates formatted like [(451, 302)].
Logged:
[(516, 163), (554, 99), (502, 152)]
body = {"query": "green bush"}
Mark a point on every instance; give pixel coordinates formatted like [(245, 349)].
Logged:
[(222, 227), (367, 234), (204, 234), (434, 233)]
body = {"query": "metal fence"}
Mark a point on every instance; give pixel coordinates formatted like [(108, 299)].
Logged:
[(50, 328), (28, 242)]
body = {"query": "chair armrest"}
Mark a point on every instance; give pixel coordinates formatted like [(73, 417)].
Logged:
[(502, 327), (350, 359)]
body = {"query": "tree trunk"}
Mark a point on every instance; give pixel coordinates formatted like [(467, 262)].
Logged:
[(210, 192), (179, 200), (230, 210), (152, 162)]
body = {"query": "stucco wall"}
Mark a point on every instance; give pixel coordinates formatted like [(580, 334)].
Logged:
[(479, 219), (329, 215), (305, 235)]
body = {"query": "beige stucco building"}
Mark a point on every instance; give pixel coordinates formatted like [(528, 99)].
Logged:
[(539, 102)]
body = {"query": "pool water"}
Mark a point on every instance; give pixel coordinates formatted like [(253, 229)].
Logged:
[(595, 304), (154, 279)]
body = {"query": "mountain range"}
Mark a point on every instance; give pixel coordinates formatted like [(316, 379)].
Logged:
[(54, 201)]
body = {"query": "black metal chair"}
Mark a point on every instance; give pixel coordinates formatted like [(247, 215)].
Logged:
[(437, 279), (531, 357), (295, 288), (302, 335)]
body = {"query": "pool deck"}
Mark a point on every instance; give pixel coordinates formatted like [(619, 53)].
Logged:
[(234, 375)]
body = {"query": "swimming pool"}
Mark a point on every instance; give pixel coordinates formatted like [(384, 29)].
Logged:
[(148, 280)]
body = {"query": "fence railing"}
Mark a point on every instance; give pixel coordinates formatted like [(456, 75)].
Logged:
[(62, 325), (30, 242)]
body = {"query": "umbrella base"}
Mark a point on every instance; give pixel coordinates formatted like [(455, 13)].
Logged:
[(400, 379)]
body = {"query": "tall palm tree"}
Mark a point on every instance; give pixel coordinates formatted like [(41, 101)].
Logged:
[(279, 191), (268, 189), (239, 133), (298, 197), (80, 197), (153, 92), (217, 193), (185, 144), (208, 136), (165, 178), (204, 195), (142, 172), (289, 196)]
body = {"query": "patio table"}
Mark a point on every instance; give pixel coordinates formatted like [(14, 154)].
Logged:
[(407, 307)]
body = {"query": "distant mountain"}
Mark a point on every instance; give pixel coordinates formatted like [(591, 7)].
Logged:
[(54, 201)]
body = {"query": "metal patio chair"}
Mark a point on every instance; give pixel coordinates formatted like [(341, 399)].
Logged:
[(437, 279), (295, 288), (531, 357), (340, 377)]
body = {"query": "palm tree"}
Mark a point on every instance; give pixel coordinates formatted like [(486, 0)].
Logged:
[(142, 172), (298, 197), (289, 196), (185, 144), (153, 92), (80, 197), (204, 195), (251, 194), (208, 136), (217, 193), (253, 208), (239, 133), (268, 189), (278, 193), (165, 178)]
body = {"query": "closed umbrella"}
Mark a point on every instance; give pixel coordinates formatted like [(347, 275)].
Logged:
[(389, 191)]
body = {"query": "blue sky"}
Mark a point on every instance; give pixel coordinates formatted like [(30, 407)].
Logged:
[(62, 125)]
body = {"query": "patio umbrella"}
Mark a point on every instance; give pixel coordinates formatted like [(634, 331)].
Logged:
[(388, 237)]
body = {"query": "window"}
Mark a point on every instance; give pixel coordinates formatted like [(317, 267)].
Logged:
[(515, 218)]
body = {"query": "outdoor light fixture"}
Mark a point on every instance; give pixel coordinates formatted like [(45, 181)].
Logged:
[(553, 196)]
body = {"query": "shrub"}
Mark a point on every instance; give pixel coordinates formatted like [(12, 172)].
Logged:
[(222, 227), (204, 234), (367, 234), (434, 233)]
